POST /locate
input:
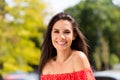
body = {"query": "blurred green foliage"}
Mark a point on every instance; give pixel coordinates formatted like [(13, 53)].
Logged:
[(114, 59), (21, 31), (99, 20)]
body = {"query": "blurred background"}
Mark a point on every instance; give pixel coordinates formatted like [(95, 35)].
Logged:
[(23, 23)]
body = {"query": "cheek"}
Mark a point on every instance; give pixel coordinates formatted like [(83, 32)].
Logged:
[(70, 38), (53, 36)]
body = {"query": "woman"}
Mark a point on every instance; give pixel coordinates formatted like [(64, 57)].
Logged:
[(64, 51)]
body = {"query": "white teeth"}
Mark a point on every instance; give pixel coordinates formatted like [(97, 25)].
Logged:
[(61, 43)]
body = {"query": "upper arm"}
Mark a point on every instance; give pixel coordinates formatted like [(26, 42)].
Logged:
[(80, 61)]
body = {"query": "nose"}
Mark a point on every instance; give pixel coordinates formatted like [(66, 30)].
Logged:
[(62, 36)]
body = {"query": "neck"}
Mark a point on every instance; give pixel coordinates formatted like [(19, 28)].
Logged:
[(63, 55)]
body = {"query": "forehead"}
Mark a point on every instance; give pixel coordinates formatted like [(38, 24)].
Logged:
[(62, 24)]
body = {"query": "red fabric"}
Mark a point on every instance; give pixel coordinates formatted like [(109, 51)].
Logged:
[(79, 75)]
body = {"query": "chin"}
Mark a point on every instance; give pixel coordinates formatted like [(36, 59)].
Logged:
[(62, 48)]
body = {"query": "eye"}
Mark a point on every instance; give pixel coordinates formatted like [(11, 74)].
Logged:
[(56, 31), (67, 31)]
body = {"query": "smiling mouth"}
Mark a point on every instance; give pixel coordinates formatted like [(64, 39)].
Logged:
[(61, 43)]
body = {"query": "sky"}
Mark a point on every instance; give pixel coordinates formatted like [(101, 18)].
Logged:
[(60, 5), (56, 6)]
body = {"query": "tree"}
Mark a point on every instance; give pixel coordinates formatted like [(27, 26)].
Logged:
[(100, 27), (21, 30)]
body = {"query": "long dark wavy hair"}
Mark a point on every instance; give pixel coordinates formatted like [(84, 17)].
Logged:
[(48, 50)]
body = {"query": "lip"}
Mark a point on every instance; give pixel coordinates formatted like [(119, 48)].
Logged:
[(61, 42)]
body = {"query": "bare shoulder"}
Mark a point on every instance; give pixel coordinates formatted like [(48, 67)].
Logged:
[(80, 60), (47, 68)]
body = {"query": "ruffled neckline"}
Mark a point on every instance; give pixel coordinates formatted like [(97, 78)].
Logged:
[(69, 73)]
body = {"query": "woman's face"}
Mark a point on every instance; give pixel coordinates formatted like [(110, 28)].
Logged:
[(62, 35)]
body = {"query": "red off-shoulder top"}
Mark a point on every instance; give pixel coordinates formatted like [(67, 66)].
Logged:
[(86, 74)]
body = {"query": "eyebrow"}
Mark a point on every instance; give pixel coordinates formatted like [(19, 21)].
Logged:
[(58, 29), (55, 29)]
